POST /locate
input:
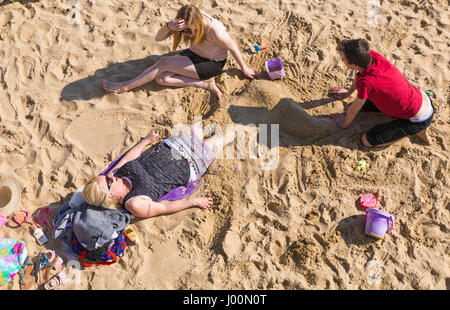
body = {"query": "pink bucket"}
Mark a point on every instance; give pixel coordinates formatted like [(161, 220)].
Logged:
[(378, 223), (275, 69)]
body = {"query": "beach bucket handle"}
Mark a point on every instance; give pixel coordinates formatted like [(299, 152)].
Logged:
[(390, 223)]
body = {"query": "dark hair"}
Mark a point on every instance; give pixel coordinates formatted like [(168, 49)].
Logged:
[(356, 51)]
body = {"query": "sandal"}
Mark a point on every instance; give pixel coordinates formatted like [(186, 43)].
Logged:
[(22, 217), (27, 272), (48, 261), (57, 280)]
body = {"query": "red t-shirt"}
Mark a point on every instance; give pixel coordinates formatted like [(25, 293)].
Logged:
[(388, 89)]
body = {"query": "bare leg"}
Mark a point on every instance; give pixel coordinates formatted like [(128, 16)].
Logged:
[(220, 141), (177, 64), (172, 79)]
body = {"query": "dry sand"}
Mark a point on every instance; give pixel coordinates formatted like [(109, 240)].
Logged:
[(294, 227)]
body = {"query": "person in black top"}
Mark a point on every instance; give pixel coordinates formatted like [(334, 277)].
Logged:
[(140, 179)]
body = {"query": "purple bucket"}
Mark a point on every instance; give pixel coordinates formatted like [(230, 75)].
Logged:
[(378, 223), (275, 69)]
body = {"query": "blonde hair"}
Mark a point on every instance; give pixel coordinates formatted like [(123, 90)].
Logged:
[(96, 195), (193, 16)]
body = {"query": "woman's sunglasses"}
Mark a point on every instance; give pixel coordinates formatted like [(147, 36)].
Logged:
[(187, 31), (109, 181)]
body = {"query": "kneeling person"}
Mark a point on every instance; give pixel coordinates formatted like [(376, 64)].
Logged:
[(382, 88)]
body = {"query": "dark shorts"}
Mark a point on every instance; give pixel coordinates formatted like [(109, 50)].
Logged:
[(206, 68), (395, 129)]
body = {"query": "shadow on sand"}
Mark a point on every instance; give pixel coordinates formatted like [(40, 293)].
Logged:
[(301, 127), (352, 230), (90, 87)]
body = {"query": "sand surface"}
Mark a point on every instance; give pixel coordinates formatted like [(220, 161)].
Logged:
[(294, 226)]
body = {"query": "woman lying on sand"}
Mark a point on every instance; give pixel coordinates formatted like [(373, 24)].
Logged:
[(203, 60), (382, 88), (139, 179)]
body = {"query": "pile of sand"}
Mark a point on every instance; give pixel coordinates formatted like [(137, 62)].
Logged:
[(291, 227)]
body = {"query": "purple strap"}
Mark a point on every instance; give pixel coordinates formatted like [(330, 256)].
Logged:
[(113, 164)]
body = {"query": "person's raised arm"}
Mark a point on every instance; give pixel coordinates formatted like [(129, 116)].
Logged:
[(169, 28), (145, 208), (224, 39), (135, 151)]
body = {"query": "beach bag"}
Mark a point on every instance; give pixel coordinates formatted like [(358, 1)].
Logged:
[(103, 256)]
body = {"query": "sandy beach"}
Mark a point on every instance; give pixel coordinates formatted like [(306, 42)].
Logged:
[(295, 225)]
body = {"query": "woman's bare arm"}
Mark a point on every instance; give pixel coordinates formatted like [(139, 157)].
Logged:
[(163, 33), (224, 39), (169, 28), (144, 208), (135, 151)]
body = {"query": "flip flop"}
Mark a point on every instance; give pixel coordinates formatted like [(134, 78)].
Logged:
[(26, 274), (42, 219), (56, 281), (22, 217)]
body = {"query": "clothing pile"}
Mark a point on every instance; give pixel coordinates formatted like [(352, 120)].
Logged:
[(95, 228)]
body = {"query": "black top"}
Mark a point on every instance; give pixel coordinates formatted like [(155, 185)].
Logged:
[(155, 173)]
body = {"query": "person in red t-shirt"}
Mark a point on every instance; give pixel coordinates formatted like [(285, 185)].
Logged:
[(382, 88)]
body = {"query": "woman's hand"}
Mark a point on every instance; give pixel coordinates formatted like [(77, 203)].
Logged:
[(250, 73), (152, 137), (177, 24), (202, 202), (339, 119)]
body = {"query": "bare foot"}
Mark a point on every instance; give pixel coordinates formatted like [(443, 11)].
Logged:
[(212, 87), (425, 137), (113, 87)]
